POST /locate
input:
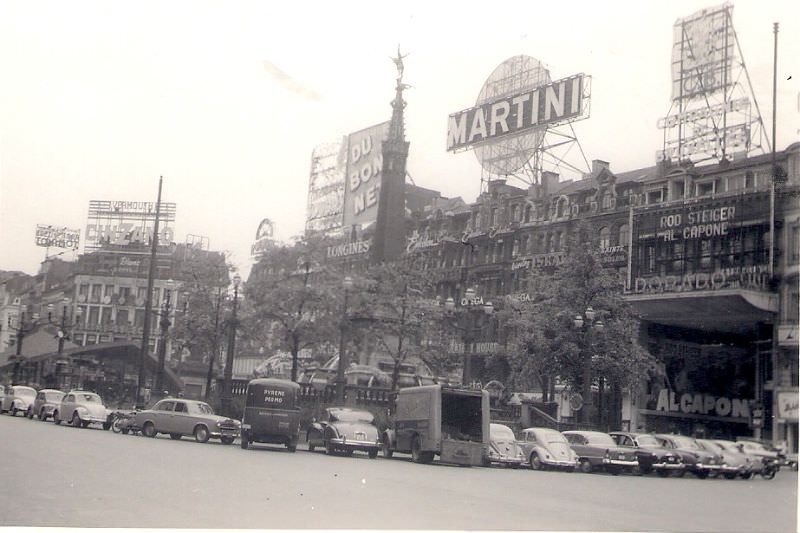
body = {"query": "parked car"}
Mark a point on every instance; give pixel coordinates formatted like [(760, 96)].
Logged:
[(82, 408), (734, 462), (271, 413), (17, 399), (598, 451), (546, 448), (345, 430), (503, 448), (178, 417), (45, 403), (698, 461), (652, 456), (760, 454)]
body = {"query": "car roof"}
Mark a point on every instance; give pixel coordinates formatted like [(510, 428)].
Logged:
[(581, 432), (52, 390)]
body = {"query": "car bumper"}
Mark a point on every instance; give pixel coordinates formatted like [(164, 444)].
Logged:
[(224, 432), (734, 469), (515, 461), (620, 462), (350, 444), (668, 466), (559, 464), (707, 468), (92, 419)]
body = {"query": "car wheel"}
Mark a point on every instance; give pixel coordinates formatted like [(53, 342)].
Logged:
[(613, 470), (201, 434), (386, 448), (106, 425), (227, 441), (175, 436), (680, 473), (701, 474), (244, 440), (56, 418), (586, 467), (76, 420), (373, 454), (292, 447), (536, 463), (311, 447), (747, 475), (14, 411), (149, 430), (329, 448), (29, 413), (42, 416), (85, 424), (662, 473), (416, 450), (116, 425), (729, 475)]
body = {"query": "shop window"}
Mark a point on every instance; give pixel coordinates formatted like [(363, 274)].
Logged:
[(605, 237), (677, 258)]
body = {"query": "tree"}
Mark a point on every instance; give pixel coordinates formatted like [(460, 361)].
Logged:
[(292, 298), (544, 343), (398, 310), (198, 323)]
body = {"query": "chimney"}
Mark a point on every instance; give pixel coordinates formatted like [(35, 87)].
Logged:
[(598, 165), (549, 180)]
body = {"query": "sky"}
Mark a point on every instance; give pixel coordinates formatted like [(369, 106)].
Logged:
[(227, 100)]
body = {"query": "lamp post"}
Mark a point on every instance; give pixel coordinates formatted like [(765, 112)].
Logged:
[(164, 324), (227, 393), (347, 284), (587, 326), (471, 306)]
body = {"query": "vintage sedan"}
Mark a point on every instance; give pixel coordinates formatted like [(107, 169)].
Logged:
[(46, 402), (598, 451), (178, 417), (698, 461), (17, 399), (546, 448), (734, 462), (652, 456), (82, 408), (345, 430), (503, 448)]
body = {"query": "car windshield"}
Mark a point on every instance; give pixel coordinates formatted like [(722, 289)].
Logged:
[(599, 439), (550, 437), (25, 393), (647, 440), (500, 432), (53, 396), (88, 397), (711, 445), (685, 442), (350, 415)]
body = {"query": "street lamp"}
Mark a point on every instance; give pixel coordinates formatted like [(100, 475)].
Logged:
[(227, 393), (587, 326), (471, 305), (347, 284)]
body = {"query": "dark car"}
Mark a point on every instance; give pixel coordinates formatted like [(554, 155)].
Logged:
[(598, 451), (698, 461), (652, 456), (46, 402), (345, 430)]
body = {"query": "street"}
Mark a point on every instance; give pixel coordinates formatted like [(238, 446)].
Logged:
[(61, 476)]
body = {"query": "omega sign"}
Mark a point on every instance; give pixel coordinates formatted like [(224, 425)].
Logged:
[(703, 404), (545, 105)]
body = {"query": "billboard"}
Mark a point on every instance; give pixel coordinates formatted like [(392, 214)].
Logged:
[(57, 237), (546, 105), (125, 223), (326, 186), (363, 175), (702, 53), (265, 239)]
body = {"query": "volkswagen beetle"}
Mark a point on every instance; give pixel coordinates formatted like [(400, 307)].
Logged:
[(546, 448), (82, 408)]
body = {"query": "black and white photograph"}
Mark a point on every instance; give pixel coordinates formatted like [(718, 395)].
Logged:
[(357, 265)]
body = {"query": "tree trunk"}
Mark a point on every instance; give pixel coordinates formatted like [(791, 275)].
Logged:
[(295, 356)]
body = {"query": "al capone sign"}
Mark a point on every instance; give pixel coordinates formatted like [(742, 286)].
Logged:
[(545, 105)]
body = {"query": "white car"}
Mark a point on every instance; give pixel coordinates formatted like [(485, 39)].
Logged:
[(82, 408), (17, 399)]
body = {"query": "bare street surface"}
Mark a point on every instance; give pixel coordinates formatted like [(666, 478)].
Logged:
[(61, 476)]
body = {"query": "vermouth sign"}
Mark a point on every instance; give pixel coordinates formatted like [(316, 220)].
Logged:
[(549, 104)]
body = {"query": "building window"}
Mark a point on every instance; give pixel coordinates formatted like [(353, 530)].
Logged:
[(605, 237), (122, 317), (678, 189), (794, 244), (97, 290), (105, 316), (706, 188), (83, 290), (515, 249), (624, 235), (94, 315), (749, 180), (794, 308), (515, 213), (705, 253), (655, 197), (528, 213)]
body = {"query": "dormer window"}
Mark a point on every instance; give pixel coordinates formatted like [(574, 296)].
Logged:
[(706, 188), (655, 196)]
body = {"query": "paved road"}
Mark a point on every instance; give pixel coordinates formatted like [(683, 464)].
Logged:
[(61, 476)]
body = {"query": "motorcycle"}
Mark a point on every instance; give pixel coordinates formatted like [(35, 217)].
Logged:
[(770, 468), (123, 422)]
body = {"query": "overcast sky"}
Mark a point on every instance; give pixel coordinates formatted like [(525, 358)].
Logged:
[(226, 100)]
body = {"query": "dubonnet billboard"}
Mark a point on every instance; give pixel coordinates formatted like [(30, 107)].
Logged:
[(363, 175)]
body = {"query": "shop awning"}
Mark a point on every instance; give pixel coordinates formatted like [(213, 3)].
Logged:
[(728, 310)]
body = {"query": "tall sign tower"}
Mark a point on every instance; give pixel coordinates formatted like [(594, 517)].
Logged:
[(390, 238), (714, 114)]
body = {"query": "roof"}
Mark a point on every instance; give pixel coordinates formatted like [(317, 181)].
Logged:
[(39, 342), (636, 176)]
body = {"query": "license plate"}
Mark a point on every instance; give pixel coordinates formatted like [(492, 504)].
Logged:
[(361, 436), (621, 457)]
